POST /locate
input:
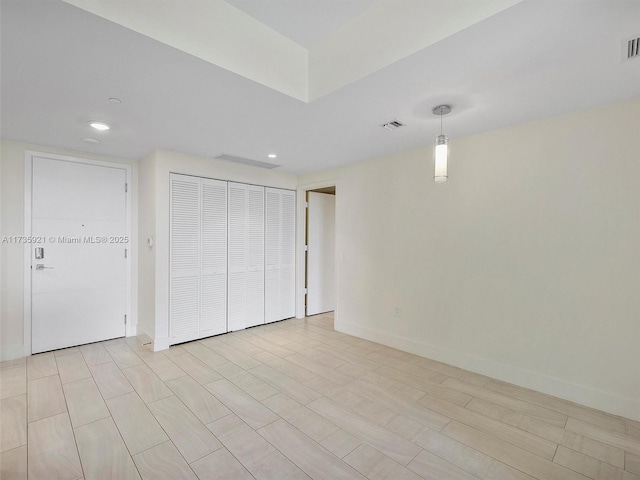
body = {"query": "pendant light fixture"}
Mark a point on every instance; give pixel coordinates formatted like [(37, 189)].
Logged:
[(441, 151)]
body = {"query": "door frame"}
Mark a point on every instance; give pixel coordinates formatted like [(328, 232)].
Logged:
[(130, 329), (317, 261), (301, 240)]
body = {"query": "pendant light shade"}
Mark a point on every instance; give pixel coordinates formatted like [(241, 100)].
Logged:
[(441, 155), (441, 150)]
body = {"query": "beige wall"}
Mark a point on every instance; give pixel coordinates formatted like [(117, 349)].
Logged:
[(164, 163), (12, 155), (146, 254), (524, 267)]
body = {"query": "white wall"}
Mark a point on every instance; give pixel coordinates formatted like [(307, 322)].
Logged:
[(146, 254), (524, 267), (12, 223), (165, 163)]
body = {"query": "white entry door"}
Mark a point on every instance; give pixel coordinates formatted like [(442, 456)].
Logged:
[(321, 282), (79, 277)]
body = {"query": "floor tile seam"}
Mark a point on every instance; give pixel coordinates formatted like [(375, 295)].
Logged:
[(230, 453), (514, 446), (131, 455), (302, 433)]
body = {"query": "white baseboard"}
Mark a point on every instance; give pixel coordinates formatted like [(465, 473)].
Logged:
[(161, 343), (587, 396), (12, 352)]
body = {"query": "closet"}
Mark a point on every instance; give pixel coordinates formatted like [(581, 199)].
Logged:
[(232, 256)]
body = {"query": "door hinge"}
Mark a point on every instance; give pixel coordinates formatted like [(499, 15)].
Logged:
[(125, 253), (306, 204), (306, 290), (125, 319), (306, 248), (126, 187)]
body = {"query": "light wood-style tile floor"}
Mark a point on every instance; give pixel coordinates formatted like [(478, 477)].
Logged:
[(291, 400)]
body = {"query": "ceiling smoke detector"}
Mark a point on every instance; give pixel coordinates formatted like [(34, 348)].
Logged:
[(631, 48), (393, 125)]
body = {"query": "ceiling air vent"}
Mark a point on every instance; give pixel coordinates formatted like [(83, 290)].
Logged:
[(393, 125), (631, 48), (246, 161)]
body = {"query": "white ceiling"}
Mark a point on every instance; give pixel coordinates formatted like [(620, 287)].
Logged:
[(221, 34), (306, 22), (537, 59)]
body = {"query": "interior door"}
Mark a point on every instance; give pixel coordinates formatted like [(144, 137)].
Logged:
[(213, 254), (321, 282), (255, 256), (79, 277), (273, 242), (280, 238), (184, 258), (237, 258), (246, 256)]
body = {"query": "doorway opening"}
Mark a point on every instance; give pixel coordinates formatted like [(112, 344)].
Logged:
[(319, 259)]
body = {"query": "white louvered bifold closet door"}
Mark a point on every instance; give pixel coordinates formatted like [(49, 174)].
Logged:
[(245, 301), (213, 255), (273, 215), (184, 316), (232, 256), (279, 254), (255, 256), (237, 257)]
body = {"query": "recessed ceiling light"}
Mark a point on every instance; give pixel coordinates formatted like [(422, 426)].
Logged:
[(115, 100), (100, 126), (272, 155), (90, 140)]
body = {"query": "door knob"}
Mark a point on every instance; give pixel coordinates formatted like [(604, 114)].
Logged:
[(40, 266)]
